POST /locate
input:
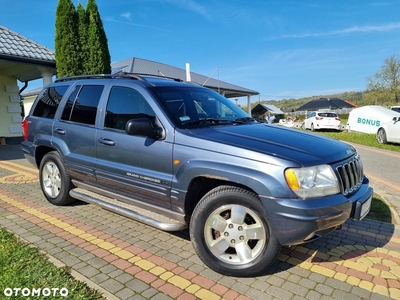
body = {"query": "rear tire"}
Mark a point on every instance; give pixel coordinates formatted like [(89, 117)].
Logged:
[(231, 233), (54, 180)]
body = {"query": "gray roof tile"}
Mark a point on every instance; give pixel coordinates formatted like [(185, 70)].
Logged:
[(18, 46), (325, 103)]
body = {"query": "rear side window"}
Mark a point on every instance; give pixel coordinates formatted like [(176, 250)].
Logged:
[(81, 106), (48, 101)]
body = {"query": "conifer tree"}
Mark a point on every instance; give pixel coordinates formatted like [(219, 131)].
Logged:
[(99, 61), (66, 45), (83, 27)]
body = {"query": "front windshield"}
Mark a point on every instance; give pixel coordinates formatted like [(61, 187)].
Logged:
[(191, 105)]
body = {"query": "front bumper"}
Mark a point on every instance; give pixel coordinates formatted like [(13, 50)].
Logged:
[(296, 221)]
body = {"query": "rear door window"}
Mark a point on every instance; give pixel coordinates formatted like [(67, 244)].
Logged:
[(81, 106)]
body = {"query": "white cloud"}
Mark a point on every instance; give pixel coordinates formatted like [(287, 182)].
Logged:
[(126, 15), (380, 28), (110, 19), (190, 5)]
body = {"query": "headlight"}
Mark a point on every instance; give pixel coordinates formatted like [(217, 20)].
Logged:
[(312, 182)]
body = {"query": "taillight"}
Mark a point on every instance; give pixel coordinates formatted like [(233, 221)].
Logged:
[(25, 129), (318, 118), (337, 119)]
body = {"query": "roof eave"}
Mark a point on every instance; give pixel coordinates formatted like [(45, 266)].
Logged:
[(233, 94), (50, 63)]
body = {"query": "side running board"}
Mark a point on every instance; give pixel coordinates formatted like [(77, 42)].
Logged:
[(128, 210)]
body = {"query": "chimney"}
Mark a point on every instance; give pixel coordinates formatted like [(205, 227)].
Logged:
[(188, 78)]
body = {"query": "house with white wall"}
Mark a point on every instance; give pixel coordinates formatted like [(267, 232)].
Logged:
[(21, 61)]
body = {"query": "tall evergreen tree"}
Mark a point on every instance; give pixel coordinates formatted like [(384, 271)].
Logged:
[(83, 28), (66, 45), (99, 61)]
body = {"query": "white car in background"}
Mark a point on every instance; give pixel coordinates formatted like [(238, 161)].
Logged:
[(389, 132), (317, 120)]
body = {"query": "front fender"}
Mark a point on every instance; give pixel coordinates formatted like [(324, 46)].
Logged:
[(263, 179)]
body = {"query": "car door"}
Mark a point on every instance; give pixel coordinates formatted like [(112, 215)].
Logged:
[(393, 131), (74, 133), (136, 167)]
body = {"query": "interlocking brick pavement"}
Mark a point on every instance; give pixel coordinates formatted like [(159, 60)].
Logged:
[(128, 260)]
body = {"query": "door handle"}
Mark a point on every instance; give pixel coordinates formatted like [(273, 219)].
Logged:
[(59, 131), (106, 142)]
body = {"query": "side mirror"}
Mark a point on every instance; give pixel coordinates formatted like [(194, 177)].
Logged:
[(143, 127), (396, 119)]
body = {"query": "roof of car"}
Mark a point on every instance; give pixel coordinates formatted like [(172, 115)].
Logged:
[(326, 111)]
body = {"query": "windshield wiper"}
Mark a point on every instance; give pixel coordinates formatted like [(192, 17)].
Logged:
[(216, 121), (205, 121), (244, 120)]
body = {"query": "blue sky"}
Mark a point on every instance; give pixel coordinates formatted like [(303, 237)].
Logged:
[(280, 48)]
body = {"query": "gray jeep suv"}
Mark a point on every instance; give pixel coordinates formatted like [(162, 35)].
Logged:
[(175, 155)]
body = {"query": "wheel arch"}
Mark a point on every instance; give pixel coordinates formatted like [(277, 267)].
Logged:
[(201, 185), (381, 128), (199, 177), (40, 152)]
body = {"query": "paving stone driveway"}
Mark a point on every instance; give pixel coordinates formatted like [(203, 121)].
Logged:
[(128, 260)]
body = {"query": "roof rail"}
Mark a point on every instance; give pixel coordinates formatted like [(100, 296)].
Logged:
[(127, 75), (157, 76), (101, 76)]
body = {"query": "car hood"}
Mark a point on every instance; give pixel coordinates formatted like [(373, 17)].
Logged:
[(298, 146)]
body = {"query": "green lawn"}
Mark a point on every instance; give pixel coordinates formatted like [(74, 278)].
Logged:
[(24, 267), (380, 211), (360, 138)]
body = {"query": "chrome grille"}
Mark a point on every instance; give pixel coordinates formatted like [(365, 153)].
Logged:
[(351, 175)]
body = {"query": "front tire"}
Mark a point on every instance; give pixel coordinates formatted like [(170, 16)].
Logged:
[(381, 136), (231, 233), (54, 180)]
